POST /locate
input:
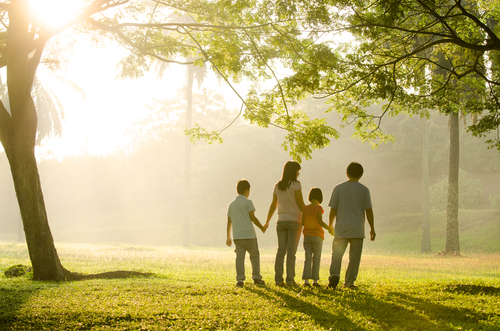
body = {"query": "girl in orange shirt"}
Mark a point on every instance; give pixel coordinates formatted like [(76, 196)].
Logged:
[(312, 221)]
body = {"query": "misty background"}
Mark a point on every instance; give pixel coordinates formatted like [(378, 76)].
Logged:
[(134, 193)]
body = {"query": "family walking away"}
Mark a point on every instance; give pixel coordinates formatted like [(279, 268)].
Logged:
[(349, 203)]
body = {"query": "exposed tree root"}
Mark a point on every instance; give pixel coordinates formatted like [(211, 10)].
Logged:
[(117, 274)]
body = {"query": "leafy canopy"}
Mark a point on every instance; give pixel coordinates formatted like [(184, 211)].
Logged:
[(410, 56)]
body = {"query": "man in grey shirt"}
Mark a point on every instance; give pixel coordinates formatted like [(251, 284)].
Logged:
[(349, 203)]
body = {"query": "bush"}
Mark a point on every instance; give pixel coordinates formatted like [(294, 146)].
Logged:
[(494, 201), (470, 192)]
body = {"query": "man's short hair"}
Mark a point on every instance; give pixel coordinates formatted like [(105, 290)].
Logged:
[(242, 186), (355, 170)]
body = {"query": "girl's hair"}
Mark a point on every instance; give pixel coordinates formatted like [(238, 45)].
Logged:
[(289, 175), (316, 193)]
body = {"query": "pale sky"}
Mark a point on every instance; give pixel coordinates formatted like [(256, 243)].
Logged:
[(96, 124)]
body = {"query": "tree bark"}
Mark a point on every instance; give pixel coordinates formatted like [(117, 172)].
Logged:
[(187, 160), (426, 237), (452, 237)]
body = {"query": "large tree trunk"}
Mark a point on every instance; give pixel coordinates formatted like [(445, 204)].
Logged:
[(43, 255), (426, 237), (452, 239), (17, 134)]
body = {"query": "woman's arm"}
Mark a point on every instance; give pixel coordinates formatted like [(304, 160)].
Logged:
[(272, 208), (299, 199)]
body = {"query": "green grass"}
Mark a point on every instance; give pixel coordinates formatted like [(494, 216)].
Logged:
[(194, 290)]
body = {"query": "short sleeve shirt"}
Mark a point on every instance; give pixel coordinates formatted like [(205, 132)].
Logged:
[(242, 225), (288, 210), (310, 221), (350, 199)]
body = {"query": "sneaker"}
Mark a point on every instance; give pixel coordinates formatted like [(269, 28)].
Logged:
[(259, 282), (316, 285), (280, 284), (293, 283), (333, 282), (240, 284), (307, 285), (352, 286)]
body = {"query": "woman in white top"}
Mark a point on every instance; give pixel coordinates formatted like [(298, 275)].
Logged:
[(287, 197)]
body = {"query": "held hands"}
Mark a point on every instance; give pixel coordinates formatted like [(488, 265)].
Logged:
[(264, 227), (331, 231), (229, 242)]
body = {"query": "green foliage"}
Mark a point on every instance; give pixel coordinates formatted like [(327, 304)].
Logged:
[(494, 201), (470, 192), (194, 289), (133, 66), (198, 133), (407, 55)]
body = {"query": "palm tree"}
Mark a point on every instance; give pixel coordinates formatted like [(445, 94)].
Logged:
[(192, 73)]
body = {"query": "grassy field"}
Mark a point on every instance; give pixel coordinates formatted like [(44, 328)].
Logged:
[(195, 290)]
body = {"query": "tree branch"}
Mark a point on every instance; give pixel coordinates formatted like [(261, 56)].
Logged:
[(129, 42), (224, 77), (272, 71), (194, 26), (493, 37)]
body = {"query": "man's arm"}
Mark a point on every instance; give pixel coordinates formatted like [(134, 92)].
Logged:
[(256, 221), (333, 214), (229, 242), (371, 219)]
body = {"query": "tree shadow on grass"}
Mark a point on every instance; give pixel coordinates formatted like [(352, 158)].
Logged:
[(402, 311), (292, 300), (472, 289), (362, 310), (12, 298), (462, 318)]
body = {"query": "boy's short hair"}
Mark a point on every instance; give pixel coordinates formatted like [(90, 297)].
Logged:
[(315, 193), (355, 170), (242, 186)]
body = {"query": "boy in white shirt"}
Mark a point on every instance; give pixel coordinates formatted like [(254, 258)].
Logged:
[(240, 216)]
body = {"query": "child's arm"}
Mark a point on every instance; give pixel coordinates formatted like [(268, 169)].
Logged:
[(272, 208), (256, 221), (323, 224), (229, 242)]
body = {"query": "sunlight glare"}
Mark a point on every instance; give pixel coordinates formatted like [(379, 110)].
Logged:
[(55, 13)]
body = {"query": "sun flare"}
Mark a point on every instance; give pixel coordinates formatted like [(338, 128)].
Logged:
[(54, 13)]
